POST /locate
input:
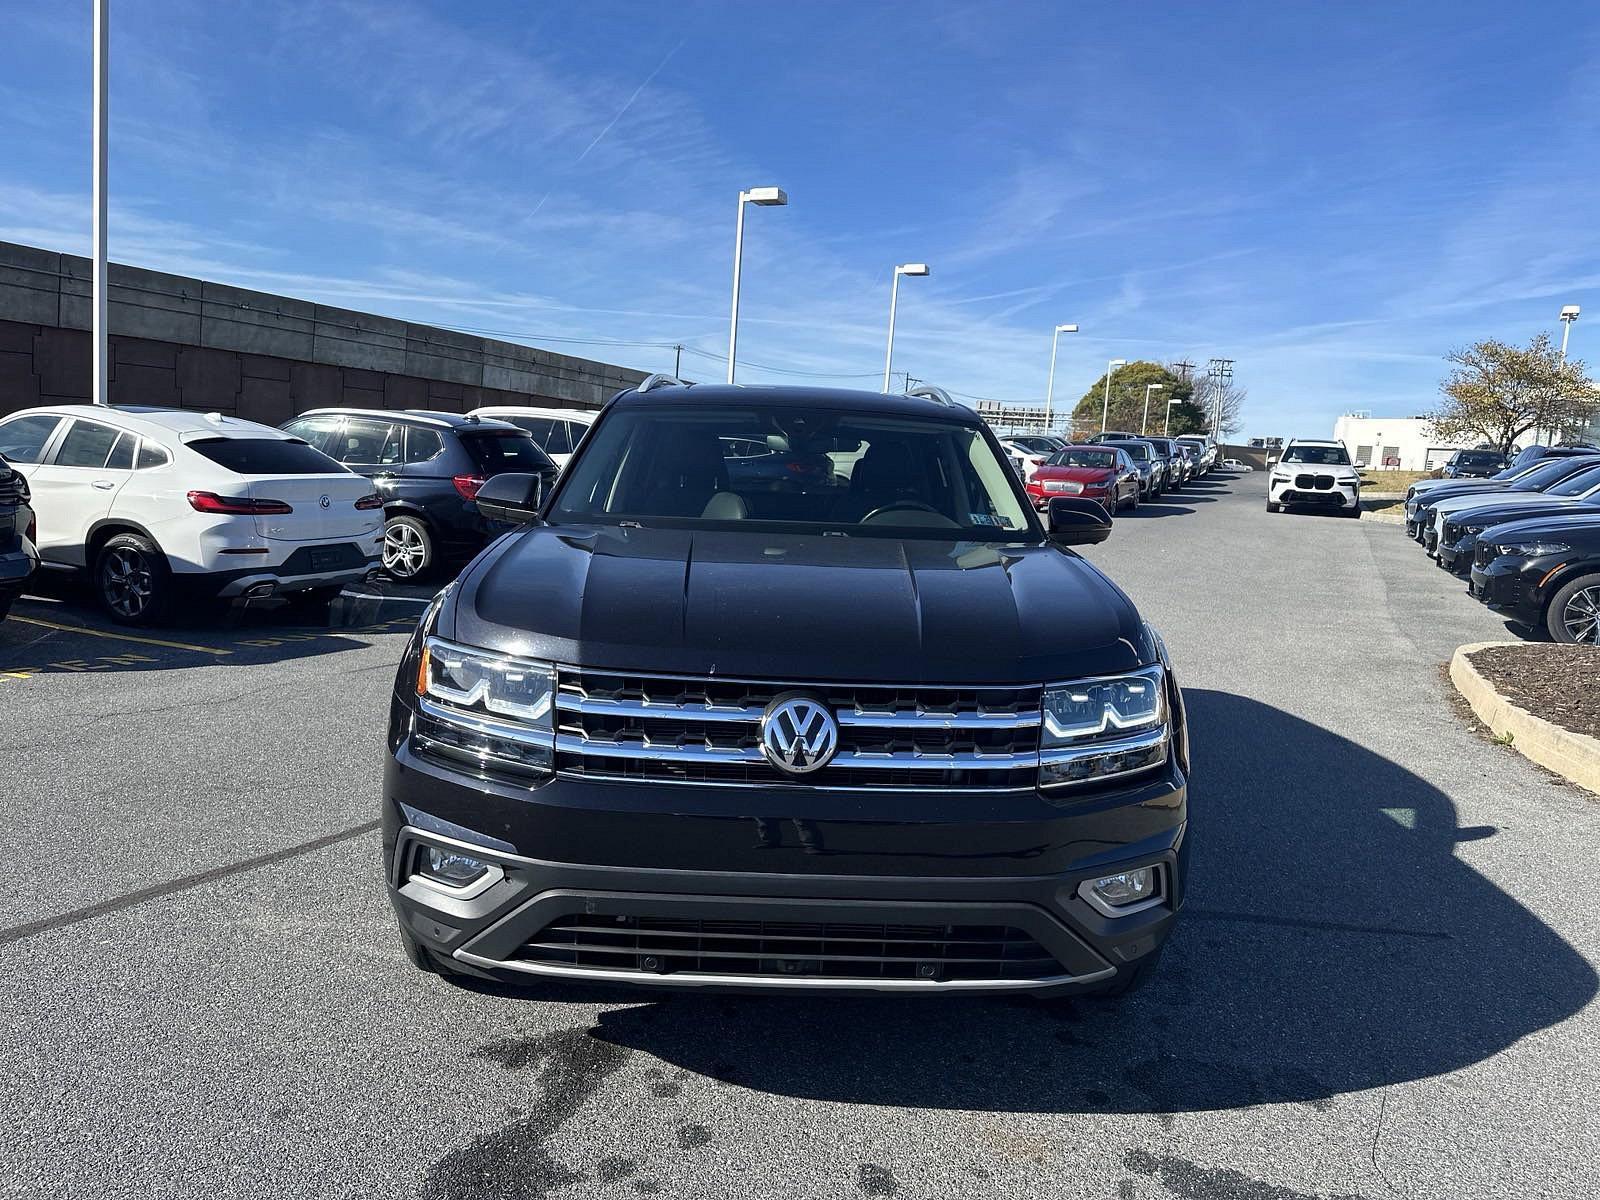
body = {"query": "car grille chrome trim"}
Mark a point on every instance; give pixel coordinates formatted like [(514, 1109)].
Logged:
[(705, 730)]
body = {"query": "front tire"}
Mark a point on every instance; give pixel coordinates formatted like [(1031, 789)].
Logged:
[(1573, 615), (409, 550), (132, 581)]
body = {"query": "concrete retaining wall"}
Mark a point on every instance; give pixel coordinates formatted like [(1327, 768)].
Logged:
[(195, 344)]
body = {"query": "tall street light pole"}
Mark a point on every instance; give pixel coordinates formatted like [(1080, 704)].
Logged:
[(1105, 407), (1166, 422), (767, 197), (1569, 314), (1050, 388), (1148, 388), (102, 21), (894, 299)]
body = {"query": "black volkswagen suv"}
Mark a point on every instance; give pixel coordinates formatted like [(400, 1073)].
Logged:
[(863, 727), (428, 467)]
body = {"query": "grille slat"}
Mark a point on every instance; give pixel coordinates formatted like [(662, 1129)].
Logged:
[(766, 948), (618, 725)]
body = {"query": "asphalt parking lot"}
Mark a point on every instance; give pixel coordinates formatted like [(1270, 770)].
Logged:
[(1385, 985)]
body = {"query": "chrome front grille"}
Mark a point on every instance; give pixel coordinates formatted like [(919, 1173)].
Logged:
[(620, 725)]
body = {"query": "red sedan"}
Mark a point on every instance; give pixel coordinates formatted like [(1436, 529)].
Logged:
[(1101, 473)]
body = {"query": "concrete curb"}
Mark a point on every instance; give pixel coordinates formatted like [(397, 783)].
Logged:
[(1383, 518), (1573, 756)]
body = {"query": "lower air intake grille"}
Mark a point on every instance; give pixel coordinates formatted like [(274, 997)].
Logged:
[(777, 948)]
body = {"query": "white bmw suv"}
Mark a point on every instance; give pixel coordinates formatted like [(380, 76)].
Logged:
[(158, 505), (1314, 474)]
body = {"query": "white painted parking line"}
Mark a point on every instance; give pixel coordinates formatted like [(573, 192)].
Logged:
[(424, 600)]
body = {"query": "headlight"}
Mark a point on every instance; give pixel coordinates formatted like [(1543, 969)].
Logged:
[(1097, 729), (1534, 549), (486, 710), (1277, 478), (1062, 485)]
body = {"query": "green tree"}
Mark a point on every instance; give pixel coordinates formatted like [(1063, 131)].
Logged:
[(1500, 393), (1127, 408)]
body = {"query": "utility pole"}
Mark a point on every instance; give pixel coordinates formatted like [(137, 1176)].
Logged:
[(1219, 371), (102, 345), (677, 362), (1185, 368)]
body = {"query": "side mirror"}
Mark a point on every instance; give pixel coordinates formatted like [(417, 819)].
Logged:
[(1077, 522), (514, 497)]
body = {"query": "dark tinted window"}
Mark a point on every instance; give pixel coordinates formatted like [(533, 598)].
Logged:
[(538, 426), (152, 455), (1480, 458), (365, 443), (560, 439), (1137, 450), (23, 439), (1083, 456), (265, 456), (1320, 456), (496, 452), (422, 444), (122, 453), (317, 431), (86, 445)]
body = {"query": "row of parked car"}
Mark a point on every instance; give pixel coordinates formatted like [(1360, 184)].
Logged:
[(1526, 538), (160, 508), (1116, 468)]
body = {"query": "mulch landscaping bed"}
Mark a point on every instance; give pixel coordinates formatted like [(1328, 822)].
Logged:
[(1559, 683)]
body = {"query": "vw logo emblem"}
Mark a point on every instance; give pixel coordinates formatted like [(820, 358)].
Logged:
[(327, 502), (798, 734)]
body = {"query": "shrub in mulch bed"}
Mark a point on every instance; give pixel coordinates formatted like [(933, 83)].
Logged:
[(1559, 683)]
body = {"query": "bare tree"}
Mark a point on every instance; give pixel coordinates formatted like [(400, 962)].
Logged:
[(1233, 397), (1500, 393)]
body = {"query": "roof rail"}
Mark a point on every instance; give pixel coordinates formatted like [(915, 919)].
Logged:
[(926, 391), (655, 381)]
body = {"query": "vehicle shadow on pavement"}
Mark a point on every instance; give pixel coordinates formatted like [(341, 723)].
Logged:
[(1332, 942)]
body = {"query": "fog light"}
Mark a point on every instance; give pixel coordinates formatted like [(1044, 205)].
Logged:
[(1129, 887), (450, 867)]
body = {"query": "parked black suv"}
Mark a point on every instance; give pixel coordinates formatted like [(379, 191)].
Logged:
[(428, 467), (867, 727), (1474, 464), (18, 556)]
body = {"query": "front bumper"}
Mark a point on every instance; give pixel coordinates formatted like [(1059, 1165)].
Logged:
[(1456, 556), (759, 889), (16, 568), (1518, 588)]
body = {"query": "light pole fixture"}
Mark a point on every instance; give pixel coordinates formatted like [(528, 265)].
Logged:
[(1105, 408), (1050, 388), (894, 298), (767, 197), (1148, 388), (1569, 314), (100, 288), (1167, 421)]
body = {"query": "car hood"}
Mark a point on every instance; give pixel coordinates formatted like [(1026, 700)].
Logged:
[(1582, 524), (1504, 510), (1429, 489), (801, 607), (1460, 504)]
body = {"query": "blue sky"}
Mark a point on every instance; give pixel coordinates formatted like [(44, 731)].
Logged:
[(1334, 195)]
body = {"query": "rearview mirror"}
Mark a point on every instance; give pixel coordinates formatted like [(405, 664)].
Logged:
[(1077, 522), (514, 496)]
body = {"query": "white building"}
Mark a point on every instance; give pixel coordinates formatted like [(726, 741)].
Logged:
[(1405, 443)]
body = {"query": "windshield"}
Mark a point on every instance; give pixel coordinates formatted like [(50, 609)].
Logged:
[(1039, 445), (1480, 458), (1578, 484), (1138, 450), (803, 469), (1320, 456), (1547, 473), (1083, 456)]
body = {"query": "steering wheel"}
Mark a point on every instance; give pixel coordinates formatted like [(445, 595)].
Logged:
[(906, 506)]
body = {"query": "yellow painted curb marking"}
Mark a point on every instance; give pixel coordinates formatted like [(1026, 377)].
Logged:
[(125, 637)]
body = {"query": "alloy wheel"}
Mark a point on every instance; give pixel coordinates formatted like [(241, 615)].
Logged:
[(1581, 616), (403, 550), (126, 583)]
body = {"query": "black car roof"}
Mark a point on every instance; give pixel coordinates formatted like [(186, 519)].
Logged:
[(783, 396)]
